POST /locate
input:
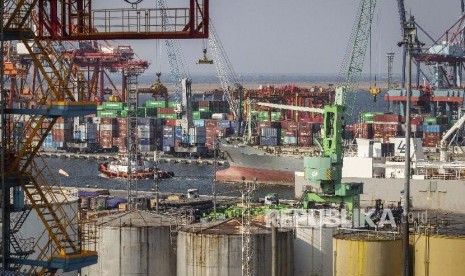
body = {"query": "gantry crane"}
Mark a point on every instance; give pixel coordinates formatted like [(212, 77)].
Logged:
[(41, 26)]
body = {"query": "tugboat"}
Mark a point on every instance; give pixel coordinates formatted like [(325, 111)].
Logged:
[(140, 169)]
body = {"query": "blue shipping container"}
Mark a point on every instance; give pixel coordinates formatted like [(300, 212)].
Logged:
[(168, 129), (168, 142), (146, 141), (224, 124), (433, 128), (199, 123)]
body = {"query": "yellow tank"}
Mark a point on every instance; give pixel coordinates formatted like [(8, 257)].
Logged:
[(367, 254), (438, 255)]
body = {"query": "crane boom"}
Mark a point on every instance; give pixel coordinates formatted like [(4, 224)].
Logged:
[(324, 173), (290, 107), (352, 65), (443, 143), (178, 69), (403, 19), (225, 71)]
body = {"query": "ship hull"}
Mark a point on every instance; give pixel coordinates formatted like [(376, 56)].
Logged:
[(235, 174), (250, 163)]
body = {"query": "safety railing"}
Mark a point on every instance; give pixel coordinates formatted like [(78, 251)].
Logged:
[(140, 21)]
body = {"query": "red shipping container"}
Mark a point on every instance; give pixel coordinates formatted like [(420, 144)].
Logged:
[(170, 122), (122, 121), (211, 123), (269, 124), (290, 133), (204, 104), (107, 121), (305, 141), (291, 125)]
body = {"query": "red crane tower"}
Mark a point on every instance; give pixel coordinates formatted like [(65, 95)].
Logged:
[(41, 26)]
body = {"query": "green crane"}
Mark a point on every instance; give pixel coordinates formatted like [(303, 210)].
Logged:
[(324, 173)]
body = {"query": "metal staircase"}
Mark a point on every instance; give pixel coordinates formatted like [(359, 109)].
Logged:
[(59, 246)]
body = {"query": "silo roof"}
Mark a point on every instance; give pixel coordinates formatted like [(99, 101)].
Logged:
[(231, 226), (137, 218)]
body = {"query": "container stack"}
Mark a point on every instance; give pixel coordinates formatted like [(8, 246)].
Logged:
[(386, 126), (197, 136), (168, 138), (289, 130), (270, 133), (62, 131), (166, 113), (212, 133), (147, 130), (110, 109), (108, 131), (219, 107), (305, 134), (431, 135), (86, 131)]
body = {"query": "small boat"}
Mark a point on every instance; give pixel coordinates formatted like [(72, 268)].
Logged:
[(139, 169)]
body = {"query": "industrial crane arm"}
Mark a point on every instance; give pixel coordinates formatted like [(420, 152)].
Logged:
[(290, 107)]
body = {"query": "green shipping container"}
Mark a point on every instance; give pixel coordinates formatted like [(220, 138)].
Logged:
[(155, 104), (198, 115), (167, 116), (263, 116), (367, 117), (204, 109), (113, 105), (275, 116), (430, 121), (108, 113), (171, 104)]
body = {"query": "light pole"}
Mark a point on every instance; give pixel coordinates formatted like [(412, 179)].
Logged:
[(157, 186), (410, 41), (215, 161)]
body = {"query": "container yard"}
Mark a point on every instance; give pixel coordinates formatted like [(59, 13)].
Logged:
[(276, 172)]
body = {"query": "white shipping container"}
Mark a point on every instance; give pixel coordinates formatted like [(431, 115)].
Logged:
[(146, 147), (145, 128), (67, 125), (144, 134), (219, 116), (106, 127)]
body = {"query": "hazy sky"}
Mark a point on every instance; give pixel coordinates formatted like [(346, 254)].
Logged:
[(300, 36)]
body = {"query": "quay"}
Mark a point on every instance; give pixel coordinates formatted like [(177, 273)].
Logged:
[(111, 157)]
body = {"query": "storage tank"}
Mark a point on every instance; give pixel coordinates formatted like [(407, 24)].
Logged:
[(215, 248), (438, 255), (134, 243), (313, 251), (367, 253)]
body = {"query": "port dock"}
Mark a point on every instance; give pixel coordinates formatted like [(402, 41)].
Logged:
[(111, 157)]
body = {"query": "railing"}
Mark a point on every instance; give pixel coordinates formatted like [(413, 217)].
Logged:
[(140, 21)]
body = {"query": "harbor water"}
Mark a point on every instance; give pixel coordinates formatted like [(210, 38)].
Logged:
[(83, 173)]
